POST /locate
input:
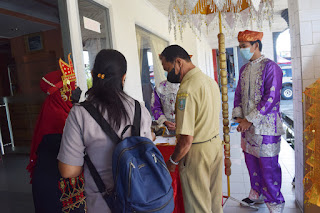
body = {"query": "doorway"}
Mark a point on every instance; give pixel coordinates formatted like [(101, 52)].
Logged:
[(30, 46)]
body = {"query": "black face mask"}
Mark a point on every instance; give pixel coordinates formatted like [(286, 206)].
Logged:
[(173, 77)]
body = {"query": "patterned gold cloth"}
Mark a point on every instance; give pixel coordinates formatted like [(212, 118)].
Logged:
[(312, 141)]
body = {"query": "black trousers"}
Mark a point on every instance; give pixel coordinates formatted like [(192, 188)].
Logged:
[(46, 188)]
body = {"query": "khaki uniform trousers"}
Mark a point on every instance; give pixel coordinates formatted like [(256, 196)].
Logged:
[(201, 177)]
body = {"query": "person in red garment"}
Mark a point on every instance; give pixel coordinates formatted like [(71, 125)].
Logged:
[(51, 193)]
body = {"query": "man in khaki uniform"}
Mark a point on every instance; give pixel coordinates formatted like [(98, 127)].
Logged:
[(199, 148)]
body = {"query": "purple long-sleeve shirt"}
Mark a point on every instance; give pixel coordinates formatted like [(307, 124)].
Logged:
[(258, 94), (257, 98), (156, 107)]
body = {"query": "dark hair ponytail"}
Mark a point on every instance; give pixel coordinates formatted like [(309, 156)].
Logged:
[(107, 90)]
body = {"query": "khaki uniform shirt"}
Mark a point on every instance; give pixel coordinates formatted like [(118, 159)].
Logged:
[(198, 106)]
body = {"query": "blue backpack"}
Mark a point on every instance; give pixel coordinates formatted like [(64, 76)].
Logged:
[(142, 182)]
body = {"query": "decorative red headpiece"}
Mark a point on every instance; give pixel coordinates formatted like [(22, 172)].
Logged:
[(67, 82), (68, 78), (67, 70), (250, 36)]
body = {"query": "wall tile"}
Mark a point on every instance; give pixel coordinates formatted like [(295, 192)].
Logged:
[(317, 73), (310, 50), (316, 61), (308, 4), (307, 68), (316, 26), (309, 15), (316, 38), (315, 4), (306, 36), (305, 39), (305, 5)]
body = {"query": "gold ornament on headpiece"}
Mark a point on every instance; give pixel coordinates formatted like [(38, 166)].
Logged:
[(67, 77)]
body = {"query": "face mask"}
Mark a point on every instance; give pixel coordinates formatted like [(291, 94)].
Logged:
[(245, 52), (173, 77)]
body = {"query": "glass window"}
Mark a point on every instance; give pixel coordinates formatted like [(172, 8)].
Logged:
[(95, 32), (152, 73), (287, 72)]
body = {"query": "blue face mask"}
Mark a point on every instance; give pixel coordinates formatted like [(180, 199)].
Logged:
[(245, 52)]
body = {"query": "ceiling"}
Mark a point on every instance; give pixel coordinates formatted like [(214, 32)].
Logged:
[(14, 27), (279, 24), (16, 16)]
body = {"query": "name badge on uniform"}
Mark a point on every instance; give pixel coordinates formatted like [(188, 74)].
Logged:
[(182, 101)]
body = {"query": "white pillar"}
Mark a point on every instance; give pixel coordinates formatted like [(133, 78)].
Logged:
[(304, 22), (236, 65), (76, 43)]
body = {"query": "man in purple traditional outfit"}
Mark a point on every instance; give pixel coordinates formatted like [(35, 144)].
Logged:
[(256, 109), (164, 100)]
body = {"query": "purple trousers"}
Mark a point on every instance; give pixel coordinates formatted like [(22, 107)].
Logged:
[(265, 178)]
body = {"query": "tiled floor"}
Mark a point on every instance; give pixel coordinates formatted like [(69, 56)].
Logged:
[(286, 106), (15, 190), (16, 196), (240, 181)]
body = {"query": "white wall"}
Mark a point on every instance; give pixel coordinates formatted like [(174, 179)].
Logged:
[(304, 19), (124, 15), (267, 45), (205, 62), (199, 49)]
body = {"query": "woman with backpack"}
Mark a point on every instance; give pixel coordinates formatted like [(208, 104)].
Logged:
[(83, 135)]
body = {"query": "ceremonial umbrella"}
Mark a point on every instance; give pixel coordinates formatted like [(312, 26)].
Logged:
[(230, 13)]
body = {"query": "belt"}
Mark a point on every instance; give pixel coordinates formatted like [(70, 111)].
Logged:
[(206, 140)]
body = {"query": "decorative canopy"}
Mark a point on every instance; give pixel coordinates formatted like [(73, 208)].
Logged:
[(198, 13)]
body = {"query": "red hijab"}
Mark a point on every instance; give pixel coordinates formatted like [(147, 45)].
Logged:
[(54, 111)]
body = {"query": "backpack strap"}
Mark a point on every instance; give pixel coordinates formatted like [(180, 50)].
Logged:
[(125, 130), (135, 131), (93, 111), (135, 127), (95, 175), (105, 126)]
